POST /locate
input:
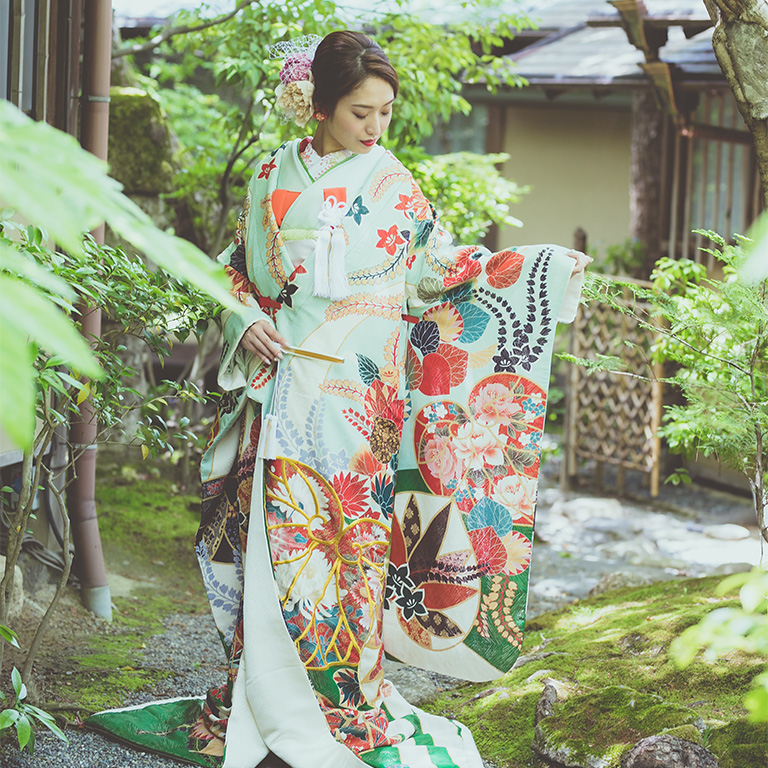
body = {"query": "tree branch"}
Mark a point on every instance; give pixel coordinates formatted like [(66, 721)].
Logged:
[(60, 587), (181, 29)]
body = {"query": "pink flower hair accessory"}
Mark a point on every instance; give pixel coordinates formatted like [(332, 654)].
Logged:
[(298, 55), (297, 86)]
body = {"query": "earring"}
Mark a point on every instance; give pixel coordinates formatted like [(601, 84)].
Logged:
[(319, 116)]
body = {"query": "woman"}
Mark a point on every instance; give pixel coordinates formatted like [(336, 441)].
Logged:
[(370, 481)]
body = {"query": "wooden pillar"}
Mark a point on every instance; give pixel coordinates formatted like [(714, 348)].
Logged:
[(646, 177)]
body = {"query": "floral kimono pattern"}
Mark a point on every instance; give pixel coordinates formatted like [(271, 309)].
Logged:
[(391, 506)]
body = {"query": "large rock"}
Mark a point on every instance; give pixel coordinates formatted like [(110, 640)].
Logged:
[(668, 752), (140, 143), (16, 603), (619, 580), (594, 729)]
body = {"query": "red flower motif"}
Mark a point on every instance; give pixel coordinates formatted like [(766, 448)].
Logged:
[(352, 492), (267, 168), (389, 239), (405, 204), (465, 268), (503, 268)]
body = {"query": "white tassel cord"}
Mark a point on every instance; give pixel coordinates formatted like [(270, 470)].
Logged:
[(267, 438), (337, 268), (322, 283), (330, 252)]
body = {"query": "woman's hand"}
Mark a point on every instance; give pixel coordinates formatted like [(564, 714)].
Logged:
[(582, 261), (262, 340)]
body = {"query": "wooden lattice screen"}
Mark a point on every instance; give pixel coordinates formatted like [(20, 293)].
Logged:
[(611, 418)]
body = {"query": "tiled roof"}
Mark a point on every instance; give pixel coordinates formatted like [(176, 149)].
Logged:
[(602, 55), (593, 55)]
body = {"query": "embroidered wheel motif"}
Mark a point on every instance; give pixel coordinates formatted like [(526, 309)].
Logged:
[(328, 553)]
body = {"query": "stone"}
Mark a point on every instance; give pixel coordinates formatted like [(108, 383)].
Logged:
[(546, 702), (593, 506), (417, 685), (16, 603), (585, 729), (726, 569), (619, 580), (668, 752), (726, 532), (140, 142)]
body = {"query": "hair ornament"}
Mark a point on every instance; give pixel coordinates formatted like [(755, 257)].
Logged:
[(295, 91)]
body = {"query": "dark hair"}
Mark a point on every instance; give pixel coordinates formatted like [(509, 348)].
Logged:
[(343, 60)]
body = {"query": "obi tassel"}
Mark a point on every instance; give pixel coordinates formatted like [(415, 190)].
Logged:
[(330, 252), (267, 448)]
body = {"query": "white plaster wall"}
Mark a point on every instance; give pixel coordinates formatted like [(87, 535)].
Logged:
[(577, 163)]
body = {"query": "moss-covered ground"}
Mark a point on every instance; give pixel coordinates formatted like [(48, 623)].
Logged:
[(617, 639), (147, 528)]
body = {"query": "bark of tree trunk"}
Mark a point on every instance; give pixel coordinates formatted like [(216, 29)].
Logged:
[(740, 42), (646, 178)]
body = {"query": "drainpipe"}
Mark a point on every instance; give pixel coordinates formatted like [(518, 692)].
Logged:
[(97, 53)]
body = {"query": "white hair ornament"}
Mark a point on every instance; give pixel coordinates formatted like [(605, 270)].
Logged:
[(297, 86)]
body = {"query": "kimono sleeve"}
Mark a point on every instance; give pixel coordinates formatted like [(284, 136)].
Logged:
[(437, 264), (238, 366), (478, 352)]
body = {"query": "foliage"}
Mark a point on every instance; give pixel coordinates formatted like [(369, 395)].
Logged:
[(712, 334), (730, 629), (20, 715), (624, 258), (468, 192), (151, 305), (7, 634), (221, 77), (718, 336), (36, 164)]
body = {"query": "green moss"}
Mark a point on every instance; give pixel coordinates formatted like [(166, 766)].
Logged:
[(614, 639), (740, 744), (687, 732), (109, 666), (140, 151), (607, 722), (501, 725), (147, 531)]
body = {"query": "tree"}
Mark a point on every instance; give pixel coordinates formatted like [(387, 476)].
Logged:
[(218, 73), (740, 42), (37, 163)]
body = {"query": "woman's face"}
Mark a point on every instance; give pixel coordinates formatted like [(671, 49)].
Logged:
[(359, 119)]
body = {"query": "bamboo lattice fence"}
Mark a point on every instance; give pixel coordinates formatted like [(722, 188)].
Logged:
[(612, 418)]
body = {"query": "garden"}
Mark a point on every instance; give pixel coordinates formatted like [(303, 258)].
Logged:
[(677, 665)]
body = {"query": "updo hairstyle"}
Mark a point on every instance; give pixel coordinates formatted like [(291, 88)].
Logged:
[(343, 60)]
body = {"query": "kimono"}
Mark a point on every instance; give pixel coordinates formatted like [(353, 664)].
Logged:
[(374, 492)]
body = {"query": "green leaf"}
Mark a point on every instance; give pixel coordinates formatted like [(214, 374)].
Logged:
[(23, 731), (17, 388), (18, 685), (8, 717), (7, 633), (30, 313), (12, 260)]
